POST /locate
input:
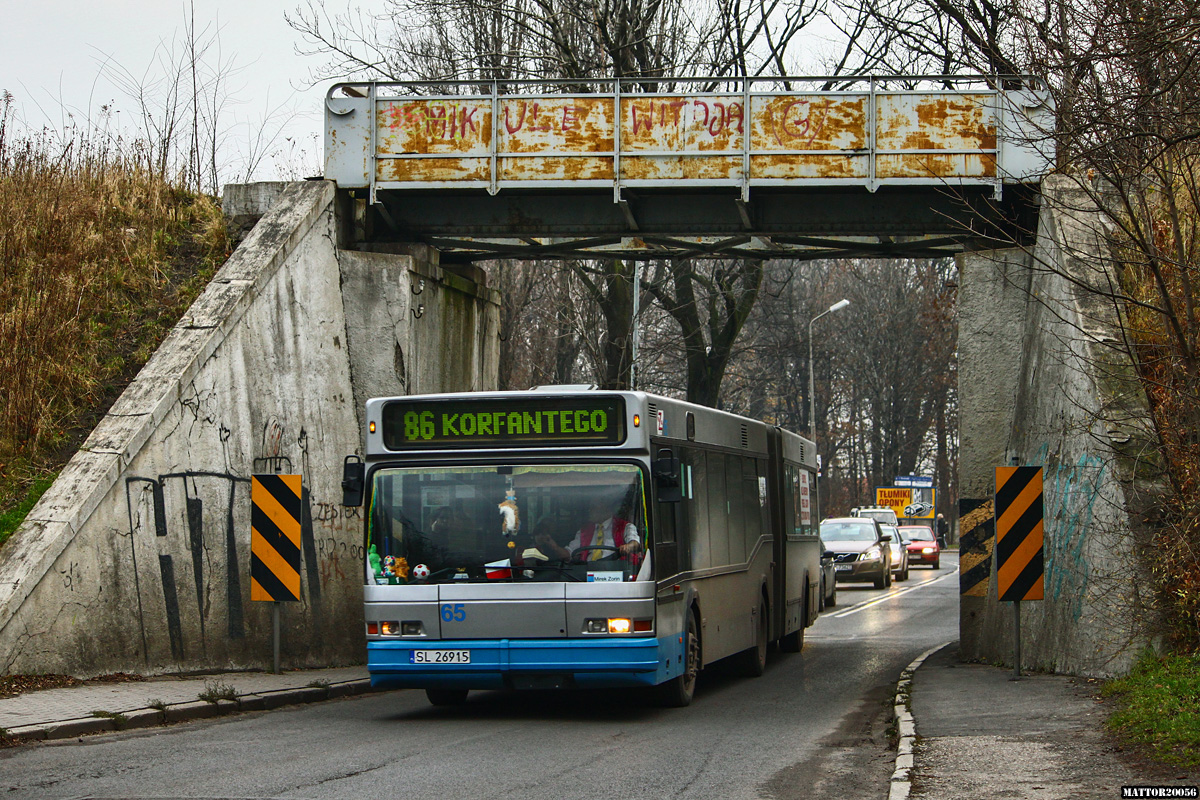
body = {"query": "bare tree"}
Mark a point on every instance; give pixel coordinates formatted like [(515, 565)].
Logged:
[(883, 369), (710, 300)]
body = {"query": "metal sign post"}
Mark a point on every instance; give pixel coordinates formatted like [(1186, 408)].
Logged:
[(1017, 639), (275, 637)]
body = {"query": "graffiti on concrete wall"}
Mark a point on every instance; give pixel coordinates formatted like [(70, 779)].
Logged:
[(190, 546), (1072, 491)]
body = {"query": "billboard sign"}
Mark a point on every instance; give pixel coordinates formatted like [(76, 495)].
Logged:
[(908, 502)]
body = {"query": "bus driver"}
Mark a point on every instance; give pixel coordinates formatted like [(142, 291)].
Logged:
[(604, 529)]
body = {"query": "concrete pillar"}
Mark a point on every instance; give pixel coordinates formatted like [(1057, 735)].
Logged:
[(415, 327), (993, 300)]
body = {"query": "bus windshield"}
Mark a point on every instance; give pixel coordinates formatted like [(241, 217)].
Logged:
[(508, 523)]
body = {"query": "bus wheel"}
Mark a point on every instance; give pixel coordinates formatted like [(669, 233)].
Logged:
[(678, 692), (794, 642), (446, 697), (754, 660)]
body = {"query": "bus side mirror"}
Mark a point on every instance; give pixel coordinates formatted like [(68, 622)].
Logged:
[(354, 474), (666, 477)]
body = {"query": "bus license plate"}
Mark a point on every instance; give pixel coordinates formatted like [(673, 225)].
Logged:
[(843, 567), (439, 657)]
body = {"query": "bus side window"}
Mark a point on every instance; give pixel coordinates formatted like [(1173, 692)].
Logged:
[(666, 551), (665, 522), (764, 507), (752, 507), (718, 510), (794, 472), (790, 512), (737, 515), (697, 512)]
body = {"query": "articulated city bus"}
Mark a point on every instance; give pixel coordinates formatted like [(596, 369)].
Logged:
[(565, 537)]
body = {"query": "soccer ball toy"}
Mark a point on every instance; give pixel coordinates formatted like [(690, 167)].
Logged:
[(420, 572)]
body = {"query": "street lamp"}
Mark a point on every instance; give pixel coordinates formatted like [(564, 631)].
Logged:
[(812, 400)]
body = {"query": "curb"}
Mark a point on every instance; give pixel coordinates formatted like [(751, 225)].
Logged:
[(901, 783), (184, 712)]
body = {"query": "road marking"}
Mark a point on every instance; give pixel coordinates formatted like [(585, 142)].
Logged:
[(868, 603)]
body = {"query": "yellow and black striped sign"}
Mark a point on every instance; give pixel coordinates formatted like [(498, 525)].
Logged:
[(976, 540), (275, 537), (1019, 566)]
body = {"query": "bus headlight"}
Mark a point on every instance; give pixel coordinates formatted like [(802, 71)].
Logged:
[(615, 625), (389, 628)]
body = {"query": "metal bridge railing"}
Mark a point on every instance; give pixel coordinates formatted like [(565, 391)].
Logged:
[(680, 132)]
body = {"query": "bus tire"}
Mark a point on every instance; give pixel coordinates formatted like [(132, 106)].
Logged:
[(446, 697), (678, 692), (794, 642), (753, 660)]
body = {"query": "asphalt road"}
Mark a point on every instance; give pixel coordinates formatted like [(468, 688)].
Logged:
[(816, 724)]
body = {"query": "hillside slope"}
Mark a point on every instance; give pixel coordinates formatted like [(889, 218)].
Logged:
[(100, 255)]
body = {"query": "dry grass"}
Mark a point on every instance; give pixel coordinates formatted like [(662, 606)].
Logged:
[(99, 257)]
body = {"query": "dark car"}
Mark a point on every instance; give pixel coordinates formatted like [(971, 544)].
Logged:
[(922, 545), (860, 549)]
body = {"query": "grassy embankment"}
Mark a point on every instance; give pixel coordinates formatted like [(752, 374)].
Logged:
[(100, 254), (1159, 707)]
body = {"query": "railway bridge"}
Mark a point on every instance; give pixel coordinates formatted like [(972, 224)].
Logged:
[(807, 168), (705, 167)]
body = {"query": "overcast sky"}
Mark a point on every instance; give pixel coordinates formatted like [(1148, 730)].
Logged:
[(52, 54)]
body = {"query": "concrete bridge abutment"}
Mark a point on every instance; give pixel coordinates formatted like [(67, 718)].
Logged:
[(1046, 379), (137, 558)]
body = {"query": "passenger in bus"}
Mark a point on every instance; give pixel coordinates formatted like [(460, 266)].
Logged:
[(453, 529), (603, 529)]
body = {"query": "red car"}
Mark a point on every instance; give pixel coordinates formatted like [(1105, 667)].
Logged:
[(922, 545)]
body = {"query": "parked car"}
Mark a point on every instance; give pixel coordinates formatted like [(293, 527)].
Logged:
[(828, 578), (860, 549), (899, 548), (922, 545)]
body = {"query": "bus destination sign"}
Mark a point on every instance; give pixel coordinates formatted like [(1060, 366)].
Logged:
[(503, 422)]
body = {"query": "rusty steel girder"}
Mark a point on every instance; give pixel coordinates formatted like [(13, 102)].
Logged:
[(696, 157)]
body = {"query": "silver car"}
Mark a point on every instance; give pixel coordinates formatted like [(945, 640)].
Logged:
[(860, 549), (899, 548)]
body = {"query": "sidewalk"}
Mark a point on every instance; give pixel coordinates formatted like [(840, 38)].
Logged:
[(92, 708), (982, 736)]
